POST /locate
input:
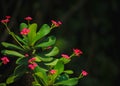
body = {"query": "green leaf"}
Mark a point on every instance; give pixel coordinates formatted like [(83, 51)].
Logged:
[(23, 25), (2, 84), (20, 70), (32, 33), (12, 53), (35, 84), (65, 60), (59, 67), (37, 59), (54, 52), (44, 58), (52, 63), (10, 79), (62, 77), (41, 73), (69, 82), (50, 41), (22, 60), (20, 40), (43, 31), (68, 71), (39, 69), (11, 46)]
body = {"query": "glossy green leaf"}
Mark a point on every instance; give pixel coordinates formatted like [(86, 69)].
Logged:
[(59, 67), (43, 31), (44, 58), (10, 79), (52, 63), (43, 76), (41, 73), (12, 53), (11, 46), (37, 59), (62, 77), (32, 33), (22, 60), (68, 71), (53, 52), (20, 40), (35, 84), (64, 60), (20, 70), (23, 25), (69, 82), (49, 42)]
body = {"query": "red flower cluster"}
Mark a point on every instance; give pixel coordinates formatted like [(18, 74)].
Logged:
[(5, 60), (32, 63), (32, 66), (28, 18), (8, 17), (31, 60), (24, 31), (84, 73), (53, 71), (77, 52), (56, 24), (65, 56), (4, 21)]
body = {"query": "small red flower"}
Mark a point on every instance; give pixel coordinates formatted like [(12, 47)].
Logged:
[(26, 55), (8, 17), (5, 60), (24, 31), (5, 21), (53, 71), (32, 66), (77, 52), (56, 24), (84, 73), (31, 60), (65, 56), (28, 18)]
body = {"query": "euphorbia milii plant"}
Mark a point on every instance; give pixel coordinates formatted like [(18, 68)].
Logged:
[(35, 51)]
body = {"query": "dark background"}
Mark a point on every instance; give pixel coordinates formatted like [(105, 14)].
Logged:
[(90, 25)]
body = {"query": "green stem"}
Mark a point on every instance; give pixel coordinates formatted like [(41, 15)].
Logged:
[(28, 23), (7, 28), (0, 63), (12, 34), (36, 80), (80, 76), (40, 80), (72, 55), (16, 40), (33, 51)]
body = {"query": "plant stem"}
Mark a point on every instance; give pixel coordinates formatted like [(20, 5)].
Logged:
[(36, 79), (80, 76), (12, 34), (72, 55)]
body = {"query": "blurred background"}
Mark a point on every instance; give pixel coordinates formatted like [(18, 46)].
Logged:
[(90, 25)]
